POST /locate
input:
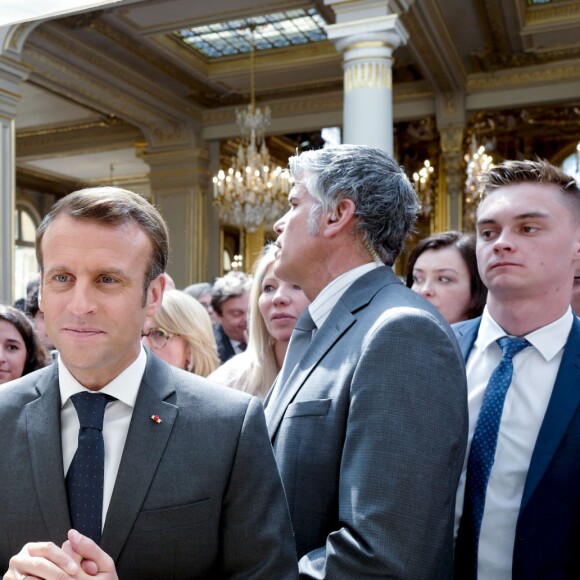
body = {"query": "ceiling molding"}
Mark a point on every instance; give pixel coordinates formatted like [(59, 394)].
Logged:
[(431, 44), (89, 137), (525, 76)]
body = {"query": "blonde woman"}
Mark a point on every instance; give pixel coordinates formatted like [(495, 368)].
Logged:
[(181, 334), (275, 306)]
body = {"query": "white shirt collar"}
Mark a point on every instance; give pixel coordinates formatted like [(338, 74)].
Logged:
[(548, 340), (123, 387), (325, 301)]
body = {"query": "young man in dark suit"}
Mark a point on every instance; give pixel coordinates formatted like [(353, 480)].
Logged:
[(518, 504)]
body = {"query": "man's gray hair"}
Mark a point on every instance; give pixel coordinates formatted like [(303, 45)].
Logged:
[(233, 284), (198, 290), (385, 200)]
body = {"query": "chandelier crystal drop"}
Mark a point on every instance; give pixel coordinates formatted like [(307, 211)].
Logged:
[(477, 160), (424, 187), (251, 192)]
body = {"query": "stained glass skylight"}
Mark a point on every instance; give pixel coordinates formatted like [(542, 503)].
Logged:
[(271, 31)]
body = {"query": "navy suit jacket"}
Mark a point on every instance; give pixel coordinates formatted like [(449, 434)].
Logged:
[(547, 544), (225, 349)]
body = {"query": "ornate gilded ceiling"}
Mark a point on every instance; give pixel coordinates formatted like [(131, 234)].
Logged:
[(105, 80)]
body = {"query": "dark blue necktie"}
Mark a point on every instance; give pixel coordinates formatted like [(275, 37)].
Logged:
[(85, 477), (481, 458)]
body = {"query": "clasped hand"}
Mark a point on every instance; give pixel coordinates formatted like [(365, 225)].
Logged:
[(79, 558)]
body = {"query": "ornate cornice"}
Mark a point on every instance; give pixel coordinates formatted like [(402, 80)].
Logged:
[(98, 135), (563, 13), (315, 101), (525, 76), (40, 181), (110, 121), (412, 90)]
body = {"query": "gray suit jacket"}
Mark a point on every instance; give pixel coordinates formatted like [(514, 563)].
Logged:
[(196, 496), (372, 441)]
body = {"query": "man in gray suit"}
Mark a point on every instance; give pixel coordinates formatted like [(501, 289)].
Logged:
[(185, 481), (369, 427)]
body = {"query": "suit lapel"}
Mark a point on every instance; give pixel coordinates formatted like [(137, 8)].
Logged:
[(340, 319), (44, 440), (561, 408), (466, 333), (337, 323), (144, 447)]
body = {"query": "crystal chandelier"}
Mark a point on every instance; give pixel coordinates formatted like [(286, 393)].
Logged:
[(251, 192), (477, 161), (424, 187)]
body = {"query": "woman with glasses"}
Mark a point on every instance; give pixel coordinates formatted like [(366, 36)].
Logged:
[(181, 334)]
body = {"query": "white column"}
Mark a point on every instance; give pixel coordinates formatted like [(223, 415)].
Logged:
[(12, 73), (367, 33)]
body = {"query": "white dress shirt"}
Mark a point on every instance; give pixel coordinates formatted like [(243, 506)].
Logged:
[(322, 305), (534, 375), (116, 422), (236, 345)]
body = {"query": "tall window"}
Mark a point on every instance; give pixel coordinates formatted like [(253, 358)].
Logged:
[(25, 265)]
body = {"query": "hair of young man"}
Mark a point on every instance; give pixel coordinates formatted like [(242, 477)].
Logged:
[(113, 206), (386, 204), (539, 171)]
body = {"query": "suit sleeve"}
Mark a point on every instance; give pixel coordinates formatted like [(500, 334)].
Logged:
[(257, 537), (402, 456)]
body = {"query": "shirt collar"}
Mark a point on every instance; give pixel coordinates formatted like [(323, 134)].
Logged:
[(325, 301), (123, 387), (548, 340)]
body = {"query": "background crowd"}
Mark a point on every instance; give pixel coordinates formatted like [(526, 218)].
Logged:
[(419, 428)]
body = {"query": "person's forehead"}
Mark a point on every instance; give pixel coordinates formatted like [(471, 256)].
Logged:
[(64, 228), (440, 256), (236, 302), (513, 200), (300, 191), (9, 330)]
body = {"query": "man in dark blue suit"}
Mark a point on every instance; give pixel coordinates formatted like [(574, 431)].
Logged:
[(526, 482)]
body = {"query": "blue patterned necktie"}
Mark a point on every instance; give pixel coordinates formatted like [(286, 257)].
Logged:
[(481, 458), (85, 477)]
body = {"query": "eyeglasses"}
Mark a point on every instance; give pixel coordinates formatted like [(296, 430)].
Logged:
[(157, 337)]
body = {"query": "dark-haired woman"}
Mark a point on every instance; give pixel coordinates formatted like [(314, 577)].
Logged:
[(21, 351), (443, 269)]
